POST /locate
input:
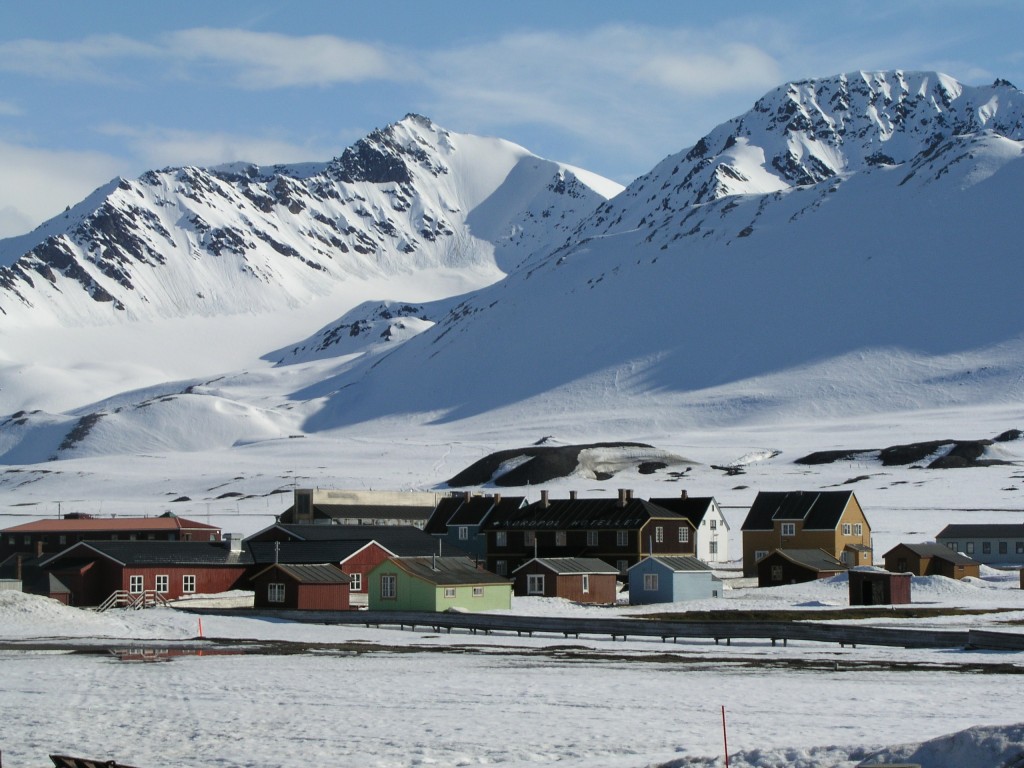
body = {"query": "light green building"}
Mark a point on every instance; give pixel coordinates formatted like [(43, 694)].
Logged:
[(436, 584)]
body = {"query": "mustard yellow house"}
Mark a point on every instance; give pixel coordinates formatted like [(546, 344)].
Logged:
[(829, 520)]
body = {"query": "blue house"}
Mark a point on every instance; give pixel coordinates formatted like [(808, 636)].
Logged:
[(456, 520), (672, 580)]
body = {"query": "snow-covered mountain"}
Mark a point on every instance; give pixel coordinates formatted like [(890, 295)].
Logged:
[(238, 239)]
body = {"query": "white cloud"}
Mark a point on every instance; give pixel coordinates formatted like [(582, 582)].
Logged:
[(75, 60), (40, 183), (259, 60)]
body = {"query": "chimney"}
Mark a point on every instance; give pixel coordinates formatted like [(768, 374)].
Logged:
[(572, 495), (232, 541), (683, 494), (467, 496), (622, 497), (629, 494), (545, 500), (497, 498)]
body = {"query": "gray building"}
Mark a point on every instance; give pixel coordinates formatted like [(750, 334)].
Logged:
[(988, 543)]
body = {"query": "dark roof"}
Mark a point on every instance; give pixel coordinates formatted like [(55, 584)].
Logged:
[(567, 565), (982, 531), (446, 507), (456, 510), (814, 559), (374, 511), (305, 552), (819, 510), (678, 563), (321, 573), (402, 540), (87, 525), (576, 514), (931, 549), (168, 553), (693, 508), (447, 570)]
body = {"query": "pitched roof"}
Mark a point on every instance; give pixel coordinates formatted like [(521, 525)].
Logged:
[(306, 552), (815, 559), (677, 563), (819, 510), (931, 549), (693, 508), (446, 507), (567, 565), (576, 514), (319, 573), (402, 540), (373, 511), (169, 553), (982, 531), (447, 570), (103, 524)]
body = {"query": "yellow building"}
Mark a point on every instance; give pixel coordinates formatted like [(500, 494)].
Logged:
[(832, 521)]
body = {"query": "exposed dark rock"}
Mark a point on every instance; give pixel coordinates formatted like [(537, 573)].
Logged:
[(545, 463)]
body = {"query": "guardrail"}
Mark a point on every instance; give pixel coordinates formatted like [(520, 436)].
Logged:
[(623, 628)]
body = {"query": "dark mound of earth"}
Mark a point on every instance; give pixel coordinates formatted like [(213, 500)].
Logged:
[(544, 463), (960, 453)]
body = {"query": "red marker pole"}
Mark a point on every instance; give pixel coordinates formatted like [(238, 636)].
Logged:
[(201, 628), (725, 738)]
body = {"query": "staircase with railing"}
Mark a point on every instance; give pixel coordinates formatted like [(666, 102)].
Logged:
[(122, 598)]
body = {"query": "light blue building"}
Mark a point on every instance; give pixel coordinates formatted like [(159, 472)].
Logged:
[(672, 580)]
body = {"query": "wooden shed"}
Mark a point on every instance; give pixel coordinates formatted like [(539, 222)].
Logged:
[(580, 579), (672, 580), (321, 587), (793, 566), (930, 559), (872, 586)]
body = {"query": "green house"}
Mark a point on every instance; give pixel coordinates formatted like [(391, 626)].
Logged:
[(436, 584)]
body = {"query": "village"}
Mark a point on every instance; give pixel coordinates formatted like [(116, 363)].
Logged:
[(338, 550)]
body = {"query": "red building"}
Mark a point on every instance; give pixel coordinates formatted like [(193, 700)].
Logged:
[(320, 587), (51, 536), (580, 579), (90, 572)]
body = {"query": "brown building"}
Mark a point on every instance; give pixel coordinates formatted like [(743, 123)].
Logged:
[(832, 521), (794, 566), (930, 559), (51, 536), (870, 586), (320, 587), (580, 579), (617, 530)]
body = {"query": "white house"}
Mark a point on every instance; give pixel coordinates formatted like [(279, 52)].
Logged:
[(706, 516)]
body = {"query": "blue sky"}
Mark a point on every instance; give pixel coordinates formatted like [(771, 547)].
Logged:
[(95, 90)]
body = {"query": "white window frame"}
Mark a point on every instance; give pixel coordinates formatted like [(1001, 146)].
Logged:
[(560, 538), (478, 591), (136, 583), (275, 592), (449, 593), (355, 582), (622, 538), (847, 529), (188, 584), (585, 583), (659, 534), (760, 554), (463, 533), (591, 538), (501, 538), (163, 583), (777, 574), (650, 582), (858, 529), (529, 537), (713, 524), (535, 583), (388, 586), (788, 529), (684, 534), (969, 547)]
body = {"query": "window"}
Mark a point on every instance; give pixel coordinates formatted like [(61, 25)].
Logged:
[(901, 565), (760, 554), (478, 591), (135, 584), (858, 529), (847, 529), (1002, 547), (501, 539), (650, 582), (585, 579), (952, 545), (355, 582), (449, 593), (463, 532), (844, 557), (684, 534), (776, 573), (28, 539), (12, 540), (63, 538), (275, 593), (132, 536), (622, 538), (969, 547), (622, 565), (529, 538), (163, 583), (789, 529), (186, 537), (986, 547), (501, 567), (659, 533), (1020, 548), (591, 538), (712, 547), (213, 537), (535, 583), (713, 524), (188, 584), (388, 586), (559, 538)]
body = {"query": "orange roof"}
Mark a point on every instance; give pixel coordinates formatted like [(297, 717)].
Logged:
[(118, 524)]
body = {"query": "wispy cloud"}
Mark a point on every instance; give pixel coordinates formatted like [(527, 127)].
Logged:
[(95, 58)]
